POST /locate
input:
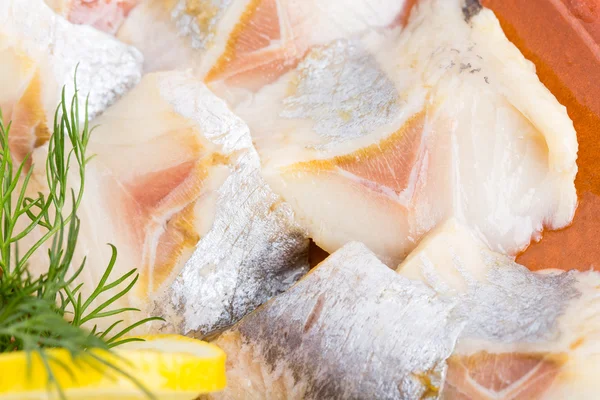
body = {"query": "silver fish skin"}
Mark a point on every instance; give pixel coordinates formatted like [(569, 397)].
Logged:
[(342, 89), (393, 122), (210, 241), (351, 329), (203, 30), (177, 34), (254, 249), (204, 34), (106, 68), (491, 287), (253, 252), (527, 334)]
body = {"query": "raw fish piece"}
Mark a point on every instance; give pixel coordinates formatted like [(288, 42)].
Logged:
[(105, 15), (527, 336), (380, 138), (38, 55), (350, 329), (245, 43), (175, 185)]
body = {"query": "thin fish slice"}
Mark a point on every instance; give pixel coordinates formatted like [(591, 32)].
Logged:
[(527, 335), (245, 44), (351, 329), (444, 118), (39, 52), (175, 186)]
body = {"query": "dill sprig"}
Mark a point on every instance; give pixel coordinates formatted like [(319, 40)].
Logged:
[(48, 310)]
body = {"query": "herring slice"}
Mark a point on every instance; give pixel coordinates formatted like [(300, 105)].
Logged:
[(245, 44), (351, 328), (457, 321), (39, 52), (175, 185), (527, 335), (382, 137)]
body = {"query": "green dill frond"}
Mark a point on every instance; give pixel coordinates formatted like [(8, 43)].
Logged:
[(49, 310)]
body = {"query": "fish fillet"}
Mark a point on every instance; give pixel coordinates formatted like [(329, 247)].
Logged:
[(527, 335), (245, 43), (379, 138), (457, 321), (350, 329), (175, 185), (39, 52), (105, 15)]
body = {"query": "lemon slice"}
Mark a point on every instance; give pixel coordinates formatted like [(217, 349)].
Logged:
[(171, 367)]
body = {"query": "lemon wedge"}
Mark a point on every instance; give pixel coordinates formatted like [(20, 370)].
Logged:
[(171, 367)]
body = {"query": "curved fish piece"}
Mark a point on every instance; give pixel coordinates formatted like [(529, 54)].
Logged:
[(105, 15), (528, 336), (444, 118), (245, 44), (350, 329), (39, 52), (175, 185)]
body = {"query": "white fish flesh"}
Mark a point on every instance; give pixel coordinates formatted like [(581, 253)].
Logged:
[(39, 52), (246, 43), (526, 335), (175, 185), (380, 138), (458, 321)]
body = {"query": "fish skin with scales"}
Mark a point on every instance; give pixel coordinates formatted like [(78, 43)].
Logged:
[(351, 329), (106, 68), (354, 329), (254, 248)]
